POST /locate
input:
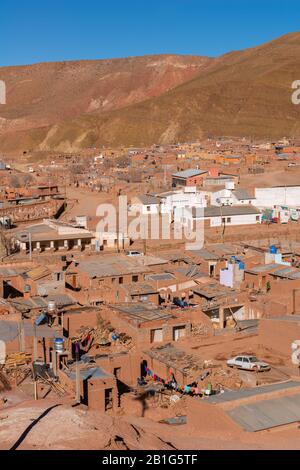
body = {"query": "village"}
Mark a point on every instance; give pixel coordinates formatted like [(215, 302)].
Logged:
[(154, 332)]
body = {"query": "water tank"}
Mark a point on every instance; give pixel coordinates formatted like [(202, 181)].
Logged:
[(273, 249), (241, 265), (59, 345), (51, 306)]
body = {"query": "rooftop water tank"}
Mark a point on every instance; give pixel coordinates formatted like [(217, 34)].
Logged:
[(59, 345), (51, 306), (273, 249)]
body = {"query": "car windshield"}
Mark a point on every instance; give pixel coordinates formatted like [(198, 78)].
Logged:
[(253, 359)]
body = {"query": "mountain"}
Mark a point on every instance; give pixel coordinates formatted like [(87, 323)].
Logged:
[(45, 97), (157, 99)]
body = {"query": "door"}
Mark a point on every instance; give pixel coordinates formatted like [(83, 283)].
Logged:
[(239, 362), (246, 363)]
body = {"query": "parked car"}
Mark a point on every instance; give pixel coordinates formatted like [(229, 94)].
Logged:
[(248, 363), (134, 253)]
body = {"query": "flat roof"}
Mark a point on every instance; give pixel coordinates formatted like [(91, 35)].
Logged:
[(140, 313), (88, 373), (176, 358), (267, 414), (224, 211), (263, 268), (189, 173), (234, 395)]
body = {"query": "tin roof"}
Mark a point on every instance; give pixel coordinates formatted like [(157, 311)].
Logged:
[(189, 173)]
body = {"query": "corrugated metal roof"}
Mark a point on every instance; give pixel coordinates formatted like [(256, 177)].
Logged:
[(241, 193), (189, 173), (267, 413), (252, 392), (93, 372), (263, 268), (160, 277), (224, 211)]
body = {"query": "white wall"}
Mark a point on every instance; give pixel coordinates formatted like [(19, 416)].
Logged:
[(269, 197), (139, 208), (182, 199), (247, 219)]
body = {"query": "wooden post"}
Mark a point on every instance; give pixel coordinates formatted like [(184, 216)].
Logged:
[(54, 363), (78, 394), (21, 336), (35, 344)]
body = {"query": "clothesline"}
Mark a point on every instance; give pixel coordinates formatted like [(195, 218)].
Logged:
[(172, 384)]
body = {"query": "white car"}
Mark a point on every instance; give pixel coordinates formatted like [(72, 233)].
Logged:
[(248, 363), (134, 253)]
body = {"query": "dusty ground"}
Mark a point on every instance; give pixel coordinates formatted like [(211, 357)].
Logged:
[(65, 428)]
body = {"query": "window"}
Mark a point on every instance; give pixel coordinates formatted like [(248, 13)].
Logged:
[(257, 218), (178, 332), (121, 280), (148, 208), (156, 335), (135, 278), (228, 220)]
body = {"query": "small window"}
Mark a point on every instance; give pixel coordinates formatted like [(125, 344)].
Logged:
[(228, 220), (148, 208), (135, 278), (121, 280), (156, 335), (257, 218)]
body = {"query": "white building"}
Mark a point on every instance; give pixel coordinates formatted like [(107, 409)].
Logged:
[(278, 196), (215, 216), (232, 197), (173, 202), (145, 205)]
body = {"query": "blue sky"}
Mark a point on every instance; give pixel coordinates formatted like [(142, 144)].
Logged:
[(54, 30)]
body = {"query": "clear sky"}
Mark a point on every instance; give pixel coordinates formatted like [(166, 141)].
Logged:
[(54, 30)]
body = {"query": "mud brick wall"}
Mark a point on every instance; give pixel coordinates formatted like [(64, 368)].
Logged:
[(37, 211)]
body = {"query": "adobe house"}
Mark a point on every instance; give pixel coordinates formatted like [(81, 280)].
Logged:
[(188, 178), (147, 324), (107, 271), (258, 276), (98, 388), (167, 360), (136, 292), (124, 365), (25, 337), (52, 236)]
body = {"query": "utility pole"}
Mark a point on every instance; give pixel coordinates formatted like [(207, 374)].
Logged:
[(35, 344), (78, 394), (21, 336), (30, 245)]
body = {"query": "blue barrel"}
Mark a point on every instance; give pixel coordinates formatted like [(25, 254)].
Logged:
[(59, 344)]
